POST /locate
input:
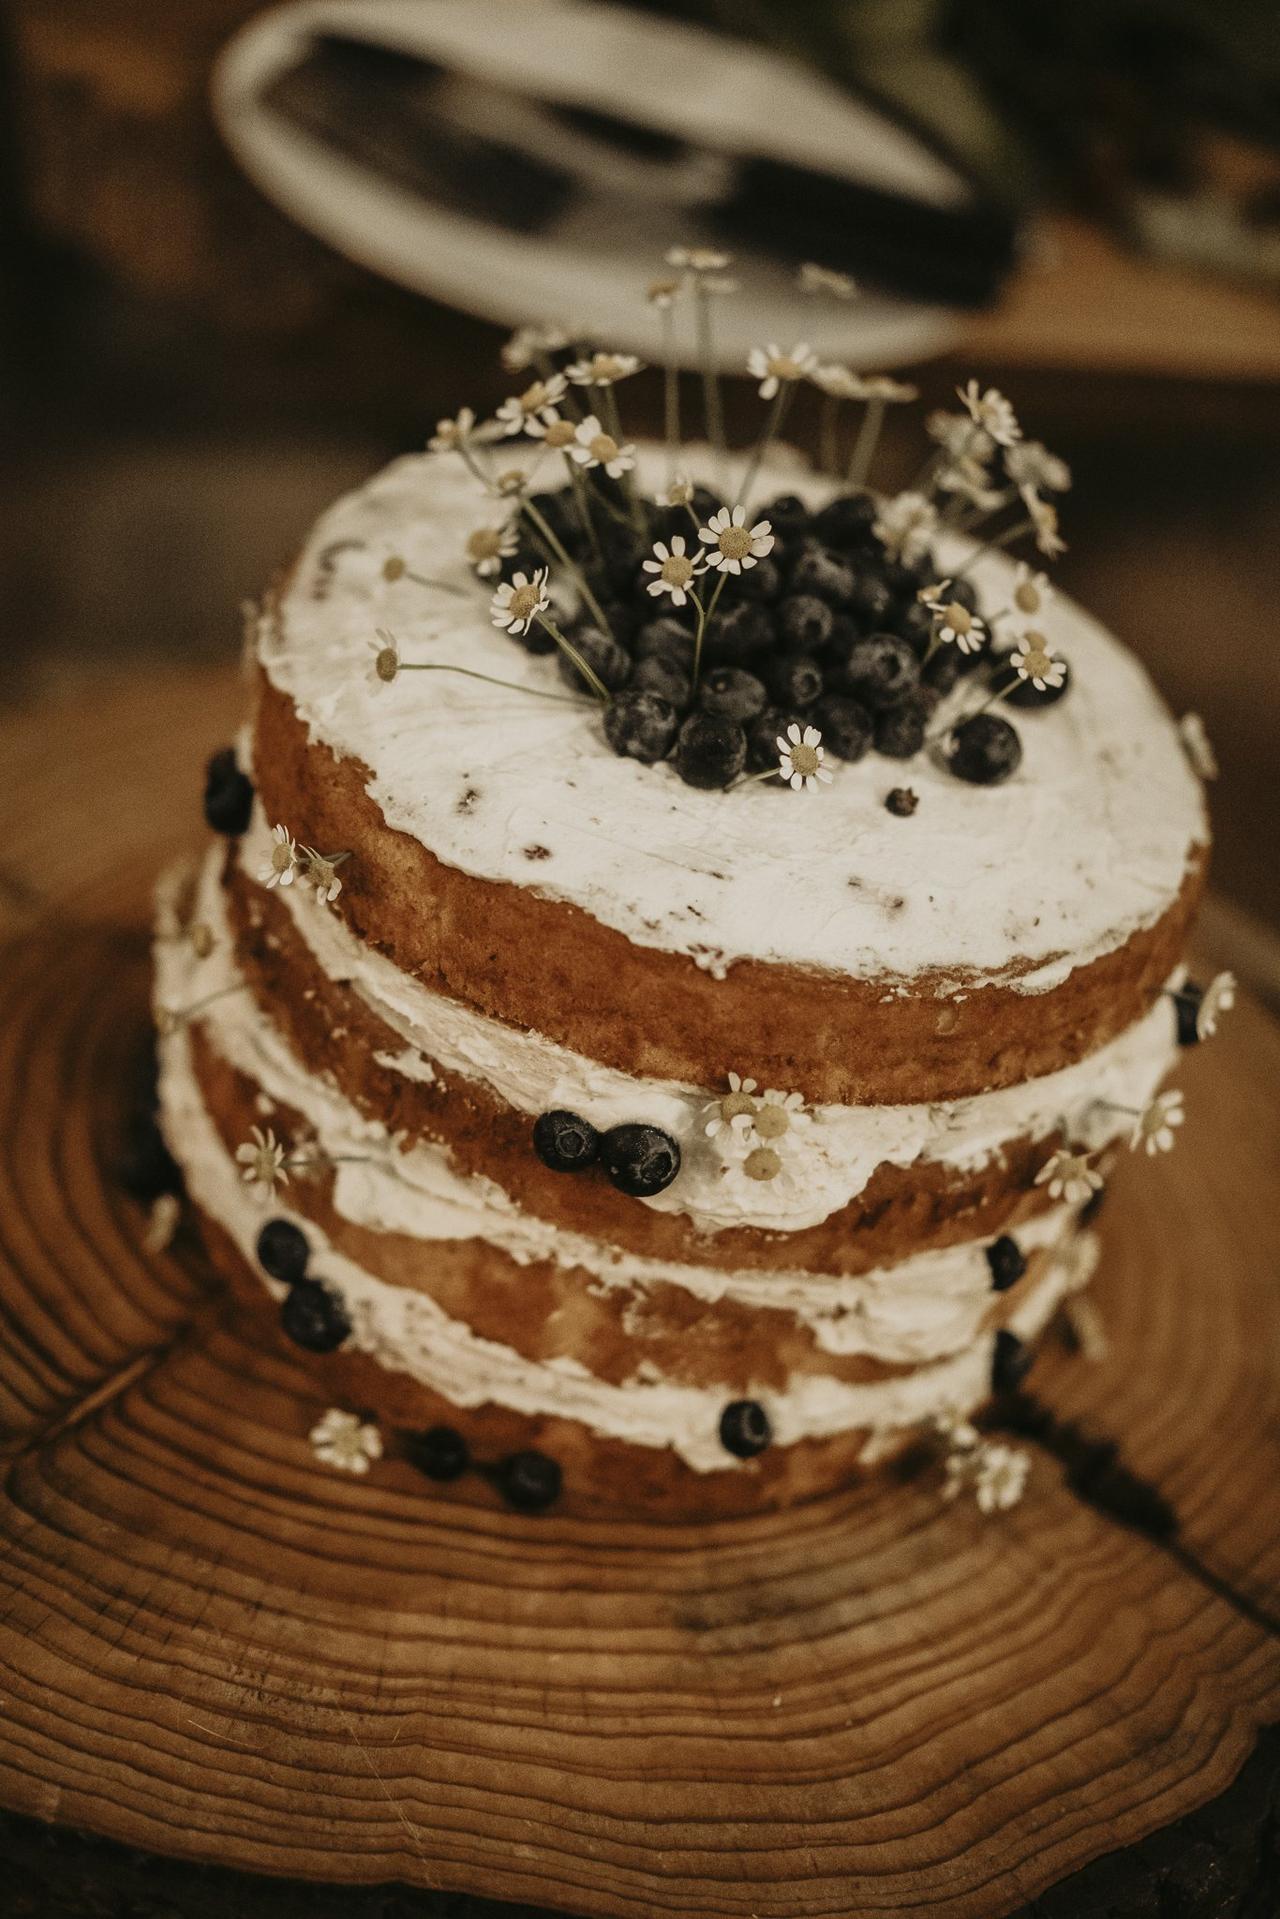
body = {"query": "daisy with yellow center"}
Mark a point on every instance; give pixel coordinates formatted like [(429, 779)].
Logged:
[(1069, 1176), (1153, 1130), (729, 1117), (593, 447), (1032, 660), (285, 863), (535, 405), (762, 1163), (322, 873), (519, 601), (263, 1161), (1029, 463), (955, 624), (557, 433), (800, 757), (343, 1441), (772, 367), (603, 369), (488, 547), (1219, 997), (452, 434), (1031, 591), (679, 493), (676, 570), (905, 525), (777, 1114), (991, 411), (1044, 519), (529, 344), (735, 546), (384, 663)]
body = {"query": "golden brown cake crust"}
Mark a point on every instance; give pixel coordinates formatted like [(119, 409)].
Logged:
[(656, 1014)]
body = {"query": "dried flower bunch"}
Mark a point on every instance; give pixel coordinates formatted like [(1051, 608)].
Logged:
[(736, 637)]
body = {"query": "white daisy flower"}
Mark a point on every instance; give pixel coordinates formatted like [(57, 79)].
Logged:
[(956, 625), (1069, 1176), (554, 431), (763, 1165), (343, 1440), (1153, 1129), (536, 404), (730, 1115), (518, 601), (678, 493), (779, 1113), (675, 569), (1033, 660), (815, 279), (1219, 997), (594, 447), (697, 259), (800, 757), (1030, 464), (734, 545), (1044, 518), (528, 344), (603, 369), (905, 524), (957, 1433), (488, 547), (959, 437), (991, 411), (1000, 1478), (384, 661), (771, 366), (967, 480), (285, 861), (1031, 591), (322, 873), (1197, 746), (263, 1162), (451, 434)]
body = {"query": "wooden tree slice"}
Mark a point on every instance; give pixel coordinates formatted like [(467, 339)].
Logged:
[(215, 1648)]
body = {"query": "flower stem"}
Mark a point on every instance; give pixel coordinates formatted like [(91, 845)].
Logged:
[(609, 402), (704, 614), (571, 566), (771, 425), (583, 504), (828, 419), (864, 447), (469, 673), (710, 377), (571, 652), (670, 391)]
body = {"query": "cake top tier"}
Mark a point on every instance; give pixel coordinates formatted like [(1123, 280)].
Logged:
[(1088, 841)]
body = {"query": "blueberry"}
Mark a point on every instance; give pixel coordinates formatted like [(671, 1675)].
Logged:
[(623, 552), (846, 521), (668, 636), (881, 671), (984, 750), (561, 515), (228, 794), (146, 1168), (824, 575), (900, 731), (733, 694), (283, 1250), (786, 514), (846, 727), (738, 635), (1186, 1004), (564, 1142), (944, 669), (528, 1481), (441, 1453), (710, 750), (314, 1317), (763, 735), (763, 581), (904, 578), (795, 680), (902, 802), (871, 601), (1011, 1362), (744, 1428), (640, 1160), (1007, 1262), (963, 592), (640, 724), (704, 504), (603, 655), (914, 622), (663, 674), (804, 623)]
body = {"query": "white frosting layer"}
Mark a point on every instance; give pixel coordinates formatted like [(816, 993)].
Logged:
[(931, 1305), (409, 1333), (1085, 845), (826, 1165)]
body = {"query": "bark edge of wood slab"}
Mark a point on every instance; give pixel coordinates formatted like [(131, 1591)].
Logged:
[(214, 1649)]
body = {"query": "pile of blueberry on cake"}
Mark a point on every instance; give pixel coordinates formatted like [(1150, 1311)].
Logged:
[(685, 940)]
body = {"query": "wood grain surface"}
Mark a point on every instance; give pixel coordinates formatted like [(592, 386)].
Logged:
[(214, 1648)]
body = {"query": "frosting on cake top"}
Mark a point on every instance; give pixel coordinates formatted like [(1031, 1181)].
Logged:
[(1086, 844)]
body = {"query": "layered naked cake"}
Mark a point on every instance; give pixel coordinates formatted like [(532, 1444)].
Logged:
[(610, 1107)]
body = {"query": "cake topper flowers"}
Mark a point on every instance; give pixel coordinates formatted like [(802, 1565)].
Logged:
[(710, 619)]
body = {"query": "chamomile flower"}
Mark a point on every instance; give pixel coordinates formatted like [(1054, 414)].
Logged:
[(285, 862), (593, 447), (537, 404), (519, 601), (529, 344), (344, 1441), (778, 1113), (733, 545), (452, 434), (263, 1162), (771, 366), (905, 525), (1219, 997), (1069, 1176), (697, 259), (1153, 1130), (1044, 518), (1031, 591), (678, 493), (955, 624), (730, 1116), (488, 547), (675, 569), (384, 660), (800, 757), (1033, 660), (1030, 464), (322, 874), (991, 411), (1000, 1478), (959, 437), (603, 369)]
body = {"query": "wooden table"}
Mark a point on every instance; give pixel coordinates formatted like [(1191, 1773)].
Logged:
[(878, 1704)]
